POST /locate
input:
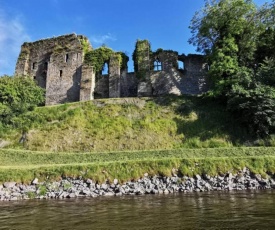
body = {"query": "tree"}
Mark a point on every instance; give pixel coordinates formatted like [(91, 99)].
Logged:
[(252, 104), (226, 31), (238, 40), (266, 72), (17, 96), (266, 40)]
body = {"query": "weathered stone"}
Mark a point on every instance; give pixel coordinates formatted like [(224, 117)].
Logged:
[(198, 177), (89, 181), (9, 184), (57, 65), (35, 181), (115, 181)]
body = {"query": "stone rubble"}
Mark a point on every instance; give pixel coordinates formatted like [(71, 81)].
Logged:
[(72, 188)]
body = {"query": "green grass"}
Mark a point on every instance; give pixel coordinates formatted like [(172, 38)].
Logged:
[(17, 165), (130, 124), (127, 137)]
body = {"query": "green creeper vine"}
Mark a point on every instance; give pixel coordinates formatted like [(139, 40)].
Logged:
[(142, 64), (98, 57)]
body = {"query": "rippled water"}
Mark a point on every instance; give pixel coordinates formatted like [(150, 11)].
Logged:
[(216, 210)]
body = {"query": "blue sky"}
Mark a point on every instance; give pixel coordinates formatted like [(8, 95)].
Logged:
[(115, 23)]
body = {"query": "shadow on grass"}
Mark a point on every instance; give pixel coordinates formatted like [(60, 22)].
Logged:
[(204, 122)]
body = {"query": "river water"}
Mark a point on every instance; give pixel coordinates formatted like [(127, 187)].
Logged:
[(215, 210)]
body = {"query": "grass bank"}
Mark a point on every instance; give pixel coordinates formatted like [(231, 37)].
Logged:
[(169, 122), (18, 165)]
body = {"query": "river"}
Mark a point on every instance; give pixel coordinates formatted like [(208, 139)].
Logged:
[(215, 210)]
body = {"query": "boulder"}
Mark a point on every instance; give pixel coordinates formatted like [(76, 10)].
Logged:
[(9, 184)]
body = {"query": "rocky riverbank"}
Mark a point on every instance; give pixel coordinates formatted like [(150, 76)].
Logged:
[(72, 188)]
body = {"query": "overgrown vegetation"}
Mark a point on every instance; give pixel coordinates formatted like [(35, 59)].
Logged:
[(132, 124), (141, 57), (98, 57), (86, 47), (238, 39), (18, 95)]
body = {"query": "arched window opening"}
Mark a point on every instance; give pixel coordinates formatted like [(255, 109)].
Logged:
[(60, 73), (105, 69), (157, 65), (180, 65)]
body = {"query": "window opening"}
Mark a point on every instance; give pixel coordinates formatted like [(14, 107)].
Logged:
[(46, 66), (34, 77), (157, 65), (180, 65), (60, 73), (34, 65), (105, 69), (66, 57)]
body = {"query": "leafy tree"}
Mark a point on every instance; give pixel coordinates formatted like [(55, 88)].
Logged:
[(252, 104), (226, 31), (266, 40), (266, 72), (17, 96), (239, 42)]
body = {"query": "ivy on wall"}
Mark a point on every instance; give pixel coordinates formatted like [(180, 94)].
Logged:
[(98, 57), (86, 47), (142, 58)]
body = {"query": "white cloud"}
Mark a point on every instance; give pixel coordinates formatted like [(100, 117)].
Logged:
[(101, 39), (12, 36)]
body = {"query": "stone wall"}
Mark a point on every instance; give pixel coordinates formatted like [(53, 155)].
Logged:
[(87, 85), (195, 78), (101, 86), (128, 84), (57, 64), (114, 77)]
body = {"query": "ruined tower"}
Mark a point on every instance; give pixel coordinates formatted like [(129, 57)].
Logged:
[(56, 64)]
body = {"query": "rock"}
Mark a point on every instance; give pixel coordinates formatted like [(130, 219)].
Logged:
[(9, 184), (115, 181), (198, 177), (105, 186), (35, 181), (109, 194), (89, 181), (206, 176), (71, 195), (258, 177), (145, 174)]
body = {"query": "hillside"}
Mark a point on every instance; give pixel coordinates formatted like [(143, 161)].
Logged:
[(130, 124)]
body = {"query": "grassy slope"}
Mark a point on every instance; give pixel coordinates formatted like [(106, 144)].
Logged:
[(131, 124), (134, 125), (21, 165)]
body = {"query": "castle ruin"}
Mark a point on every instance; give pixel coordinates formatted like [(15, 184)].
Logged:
[(59, 65)]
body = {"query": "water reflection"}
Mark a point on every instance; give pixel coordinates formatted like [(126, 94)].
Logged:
[(245, 210)]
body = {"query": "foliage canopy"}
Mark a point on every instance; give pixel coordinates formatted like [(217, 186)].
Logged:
[(238, 39), (17, 96)]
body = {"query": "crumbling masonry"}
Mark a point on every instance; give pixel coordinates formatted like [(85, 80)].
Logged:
[(57, 64)]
